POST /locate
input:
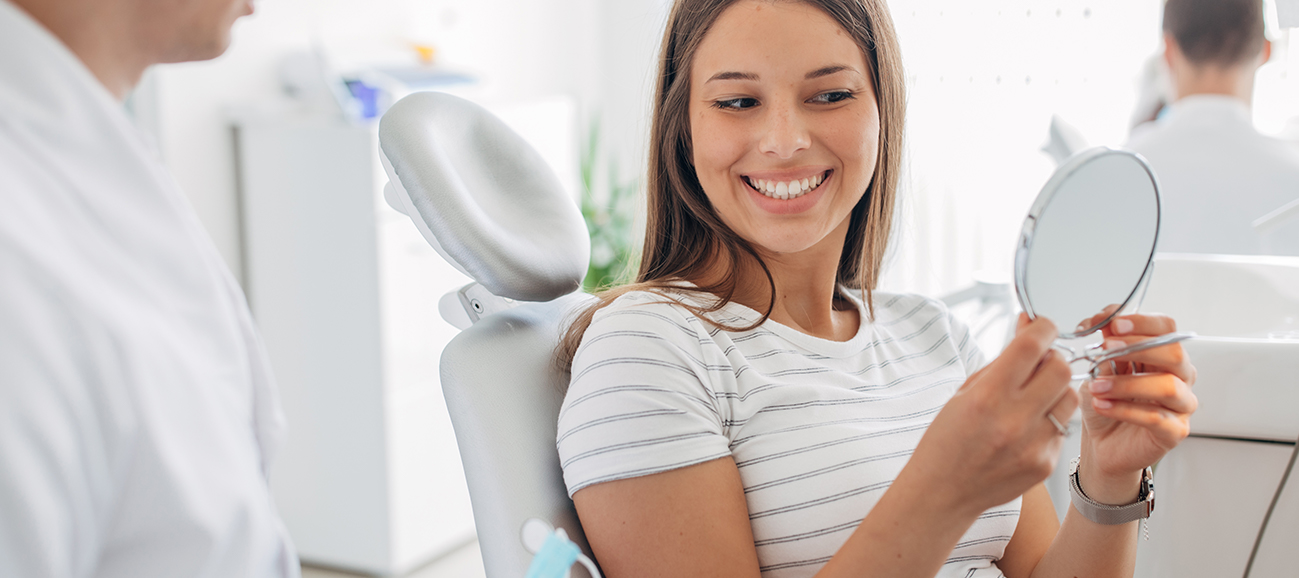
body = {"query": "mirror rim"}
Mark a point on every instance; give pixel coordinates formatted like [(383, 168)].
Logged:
[(1043, 200)]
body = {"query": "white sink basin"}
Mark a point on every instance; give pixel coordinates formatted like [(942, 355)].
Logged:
[(1215, 489), (1246, 310)]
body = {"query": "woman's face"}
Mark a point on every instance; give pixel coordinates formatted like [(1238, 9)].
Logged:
[(784, 125)]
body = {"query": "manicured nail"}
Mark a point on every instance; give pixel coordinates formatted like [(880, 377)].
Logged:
[(1079, 328), (1122, 326), (1113, 344), (1101, 385), (1102, 403)]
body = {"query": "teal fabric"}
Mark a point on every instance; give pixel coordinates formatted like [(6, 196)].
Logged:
[(554, 559)]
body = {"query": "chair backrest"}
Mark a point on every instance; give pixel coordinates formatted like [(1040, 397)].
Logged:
[(503, 390), (488, 203)]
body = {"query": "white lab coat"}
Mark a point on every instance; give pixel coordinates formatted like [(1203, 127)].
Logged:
[(1217, 174), (137, 412)]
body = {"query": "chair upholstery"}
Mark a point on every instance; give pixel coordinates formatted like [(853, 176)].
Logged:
[(504, 390)]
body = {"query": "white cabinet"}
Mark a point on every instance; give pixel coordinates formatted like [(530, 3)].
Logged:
[(345, 293)]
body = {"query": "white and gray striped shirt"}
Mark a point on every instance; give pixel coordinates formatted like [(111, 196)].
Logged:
[(818, 429)]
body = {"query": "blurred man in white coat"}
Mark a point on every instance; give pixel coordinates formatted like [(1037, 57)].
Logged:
[(137, 413), (1217, 173)]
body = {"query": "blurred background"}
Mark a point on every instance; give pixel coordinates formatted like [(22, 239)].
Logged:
[(274, 142)]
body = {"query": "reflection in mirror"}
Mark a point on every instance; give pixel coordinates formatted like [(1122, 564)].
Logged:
[(1088, 243)]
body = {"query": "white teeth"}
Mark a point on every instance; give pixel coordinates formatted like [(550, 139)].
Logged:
[(786, 190)]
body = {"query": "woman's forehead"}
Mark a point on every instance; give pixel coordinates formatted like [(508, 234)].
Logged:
[(761, 38)]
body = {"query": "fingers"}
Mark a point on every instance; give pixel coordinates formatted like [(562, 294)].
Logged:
[(1171, 358), (1064, 405), (1162, 390), (1023, 355), (1049, 384), (1168, 428), (1130, 325), (1097, 318)]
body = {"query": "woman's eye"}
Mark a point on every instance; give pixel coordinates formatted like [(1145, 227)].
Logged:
[(832, 97), (736, 103)]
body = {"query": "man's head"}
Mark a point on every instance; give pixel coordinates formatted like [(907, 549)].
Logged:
[(1214, 46), (1220, 33), (118, 39)]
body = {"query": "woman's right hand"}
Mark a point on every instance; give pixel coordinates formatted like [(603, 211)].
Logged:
[(993, 441)]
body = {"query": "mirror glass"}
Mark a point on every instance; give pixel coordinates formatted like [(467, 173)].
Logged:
[(1089, 239)]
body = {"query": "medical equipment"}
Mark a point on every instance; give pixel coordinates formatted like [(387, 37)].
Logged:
[(493, 208)]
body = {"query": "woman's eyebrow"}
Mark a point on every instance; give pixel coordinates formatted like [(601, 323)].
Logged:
[(818, 73), (732, 76), (828, 70)]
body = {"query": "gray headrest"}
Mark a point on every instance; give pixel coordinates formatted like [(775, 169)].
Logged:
[(483, 197)]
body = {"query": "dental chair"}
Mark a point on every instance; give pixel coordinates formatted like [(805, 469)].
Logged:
[(488, 203)]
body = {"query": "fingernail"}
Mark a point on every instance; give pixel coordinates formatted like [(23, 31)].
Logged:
[(1079, 328), (1102, 403), (1101, 385), (1122, 325), (1113, 344)]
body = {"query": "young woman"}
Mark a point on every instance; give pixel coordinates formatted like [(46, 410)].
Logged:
[(751, 406)]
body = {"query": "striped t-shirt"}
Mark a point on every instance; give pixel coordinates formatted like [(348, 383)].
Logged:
[(819, 429)]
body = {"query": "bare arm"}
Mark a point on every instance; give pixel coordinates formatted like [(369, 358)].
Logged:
[(993, 435), (694, 522)]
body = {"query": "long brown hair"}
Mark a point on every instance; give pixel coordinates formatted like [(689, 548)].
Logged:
[(684, 237)]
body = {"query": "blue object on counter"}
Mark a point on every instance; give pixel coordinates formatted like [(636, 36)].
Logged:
[(367, 95)]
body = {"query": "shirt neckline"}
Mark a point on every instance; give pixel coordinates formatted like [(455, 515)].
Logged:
[(827, 347)]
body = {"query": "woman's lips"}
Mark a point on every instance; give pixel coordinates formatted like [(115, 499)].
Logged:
[(791, 204)]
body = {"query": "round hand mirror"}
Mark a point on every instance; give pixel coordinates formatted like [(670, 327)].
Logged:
[(1088, 243)]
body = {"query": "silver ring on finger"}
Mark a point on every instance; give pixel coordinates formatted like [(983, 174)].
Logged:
[(1064, 431)]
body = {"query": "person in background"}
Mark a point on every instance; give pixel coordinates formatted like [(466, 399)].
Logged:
[(137, 412), (1216, 172)]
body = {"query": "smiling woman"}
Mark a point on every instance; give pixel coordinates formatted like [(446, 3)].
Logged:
[(751, 405)]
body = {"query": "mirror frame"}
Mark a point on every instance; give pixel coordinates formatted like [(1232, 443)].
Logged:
[(1049, 190)]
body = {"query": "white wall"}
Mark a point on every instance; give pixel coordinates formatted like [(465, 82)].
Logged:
[(519, 50)]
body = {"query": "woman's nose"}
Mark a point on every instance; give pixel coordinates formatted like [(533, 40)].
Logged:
[(785, 133)]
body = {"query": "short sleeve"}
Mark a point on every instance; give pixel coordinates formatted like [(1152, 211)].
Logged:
[(639, 401), (967, 345)]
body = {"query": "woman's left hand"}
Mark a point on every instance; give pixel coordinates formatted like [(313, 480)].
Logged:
[(1137, 410)]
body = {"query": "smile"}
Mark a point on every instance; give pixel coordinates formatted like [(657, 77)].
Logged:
[(786, 190)]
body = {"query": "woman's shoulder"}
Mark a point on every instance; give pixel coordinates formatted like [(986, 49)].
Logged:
[(905, 314), (644, 319), (894, 308), (650, 309)]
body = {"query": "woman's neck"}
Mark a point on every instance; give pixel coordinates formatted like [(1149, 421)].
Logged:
[(806, 289)]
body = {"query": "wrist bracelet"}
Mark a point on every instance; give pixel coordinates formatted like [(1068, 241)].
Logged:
[(1113, 515)]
